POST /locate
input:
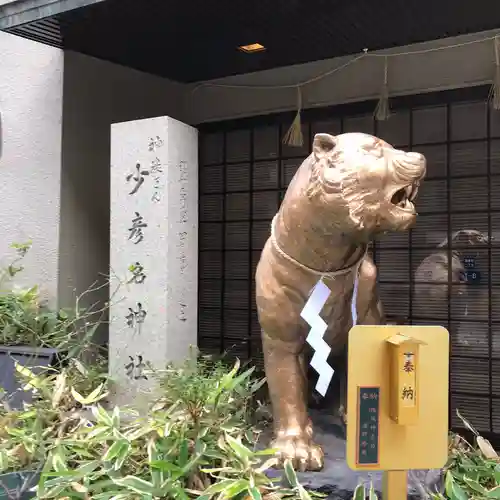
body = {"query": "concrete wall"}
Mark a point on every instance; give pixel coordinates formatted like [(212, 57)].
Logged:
[(30, 155), (97, 94), (468, 65)]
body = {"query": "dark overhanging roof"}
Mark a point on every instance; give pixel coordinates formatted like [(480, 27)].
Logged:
[(37, 19), (195, 40)]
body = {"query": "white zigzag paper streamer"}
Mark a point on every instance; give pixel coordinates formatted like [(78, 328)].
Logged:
[(310, 314)]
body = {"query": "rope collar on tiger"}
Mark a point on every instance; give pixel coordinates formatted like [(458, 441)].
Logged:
[(321, 274)]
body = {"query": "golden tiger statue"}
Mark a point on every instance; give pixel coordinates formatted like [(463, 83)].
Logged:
[(352, 187)]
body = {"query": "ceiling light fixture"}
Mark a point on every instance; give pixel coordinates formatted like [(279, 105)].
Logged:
[(253, 47)]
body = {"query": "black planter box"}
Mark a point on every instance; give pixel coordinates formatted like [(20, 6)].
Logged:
[(34, 358), (13, 482)]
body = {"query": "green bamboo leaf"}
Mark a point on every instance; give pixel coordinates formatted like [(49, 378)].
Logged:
[(241, 451), (237, 487), (99, 485), (226, 380), (80, 367), (218, 487), (218, 469), (165, 466), (41, 490), (183, 453), (203, 432), (122, 455), (114, 450), (290, 474), (115, 417), (178, 493), (77, 396), (249, 436), (110, 495), (235, 382), (494, 493), (134, 434), (114, 495), (59, 388), (80, 472), (59, 460), (255, 493), (475, 486), (25, 372), (359, 492), (26, 415), (56, 492), (78, 348), (457, 493), (56, 481), (200, 447), (221, 443), (102, 416), (157, 476), (453, 490), (136, 484), (185, 470), (303, 495), (266, 452), (268, 464), (448, 483), (371, 493), (95, 395), (258, 384), (4, 461)]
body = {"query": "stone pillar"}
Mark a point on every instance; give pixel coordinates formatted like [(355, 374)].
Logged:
[(154, 252)]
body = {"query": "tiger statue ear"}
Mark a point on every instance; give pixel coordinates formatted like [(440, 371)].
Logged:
[(323, 145)]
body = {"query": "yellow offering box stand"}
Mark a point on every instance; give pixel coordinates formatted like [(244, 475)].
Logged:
[(397, 401)]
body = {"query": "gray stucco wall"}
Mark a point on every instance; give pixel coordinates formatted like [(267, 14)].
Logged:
[(31, 77), (97, 94), (55, 162)]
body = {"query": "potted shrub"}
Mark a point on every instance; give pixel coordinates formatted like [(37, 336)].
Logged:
[(28, 435), (32, 333), (18, 485)]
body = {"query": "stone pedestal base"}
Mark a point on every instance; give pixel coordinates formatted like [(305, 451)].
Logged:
[(338, 480)]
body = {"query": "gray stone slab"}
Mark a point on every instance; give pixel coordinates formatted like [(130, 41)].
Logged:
[(154, 252)]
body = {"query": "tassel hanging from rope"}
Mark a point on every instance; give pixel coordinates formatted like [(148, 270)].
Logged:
[(383, 111), (494, 96), (294, 136)]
